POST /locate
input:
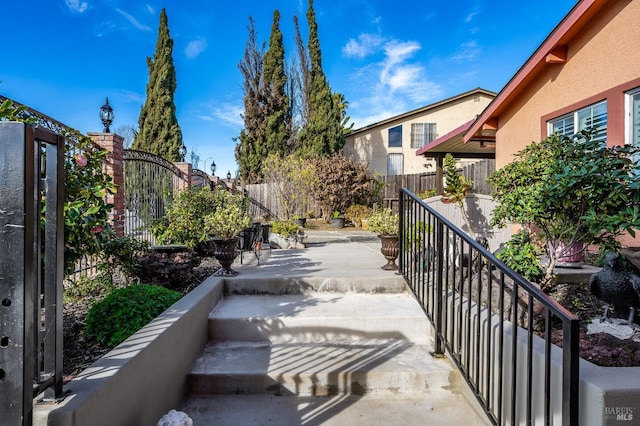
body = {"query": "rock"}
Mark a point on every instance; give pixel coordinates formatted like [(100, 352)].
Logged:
[(615, 327), (175, 418)]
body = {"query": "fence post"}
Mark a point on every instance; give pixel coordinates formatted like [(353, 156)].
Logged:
[(184, 181), (114, 167)]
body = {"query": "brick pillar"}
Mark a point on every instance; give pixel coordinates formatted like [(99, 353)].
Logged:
[(185, 180), (114, 167)]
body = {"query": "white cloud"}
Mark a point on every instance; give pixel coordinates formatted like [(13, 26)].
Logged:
[(394, 85), (77, 6), (195, 47), (228, 114), (470, 16), (133, 20), (365, 45), (467, 51)]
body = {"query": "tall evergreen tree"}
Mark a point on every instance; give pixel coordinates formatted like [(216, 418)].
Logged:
[(300, 86), (159, 131), (277, 108), (249, 148), (323, 133)]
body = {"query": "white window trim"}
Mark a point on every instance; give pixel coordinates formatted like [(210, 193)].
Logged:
[(576, 120), (628, 124)]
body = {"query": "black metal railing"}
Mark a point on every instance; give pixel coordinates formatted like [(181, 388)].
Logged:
[(498, 328), (31, 268)]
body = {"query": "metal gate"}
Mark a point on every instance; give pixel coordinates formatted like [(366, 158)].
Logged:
[(31, 268), (150, 182)]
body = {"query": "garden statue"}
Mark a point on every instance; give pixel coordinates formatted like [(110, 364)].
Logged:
[(613, 284)]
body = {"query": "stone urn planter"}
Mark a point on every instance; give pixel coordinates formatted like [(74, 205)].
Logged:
[(390, 249), (337, 222), (225, 252)]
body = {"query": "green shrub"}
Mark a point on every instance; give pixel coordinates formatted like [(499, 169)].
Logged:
[(384, 222), (521, 255), (88, 287), (184, 222), (126, 310), (284, 228), (123, 252), (356, 212)]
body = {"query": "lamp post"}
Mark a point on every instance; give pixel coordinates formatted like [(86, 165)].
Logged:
[(229, 175), (106, 115), (182, 152), (213, 168)]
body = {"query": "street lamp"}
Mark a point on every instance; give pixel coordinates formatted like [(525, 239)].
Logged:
[(106, 115), (182, 152), (229, 175), (213, 168)]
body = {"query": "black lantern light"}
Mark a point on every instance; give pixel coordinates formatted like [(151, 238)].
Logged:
[(213, 168), (106, 115), (229, 175), (182, 152)]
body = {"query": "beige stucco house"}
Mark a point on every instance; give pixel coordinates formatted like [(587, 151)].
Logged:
[(390, 146), (586, 73)]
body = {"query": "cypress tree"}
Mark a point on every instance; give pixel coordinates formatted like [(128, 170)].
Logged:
[(159, 131), (250, 149), (277, 107), (323, 133)]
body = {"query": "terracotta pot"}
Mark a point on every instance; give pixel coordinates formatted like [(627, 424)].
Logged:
[(390, 250), (225, 252), (573, 256)]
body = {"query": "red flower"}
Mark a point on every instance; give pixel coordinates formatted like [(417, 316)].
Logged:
[(96, 229), (81, 160)]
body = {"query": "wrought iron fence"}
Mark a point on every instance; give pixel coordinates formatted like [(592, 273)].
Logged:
[(497, 327), (200, 179), (31, 268), (149, 185)]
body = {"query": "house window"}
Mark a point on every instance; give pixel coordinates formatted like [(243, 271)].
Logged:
[(395, 164), (592, 116), (395, 137), (422, 134), (632, 119)]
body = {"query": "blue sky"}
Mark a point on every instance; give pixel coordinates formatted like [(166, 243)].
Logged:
[(63, 57)]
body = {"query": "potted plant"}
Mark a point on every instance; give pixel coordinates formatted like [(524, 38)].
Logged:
[(386, 224), (357, 213), (225, 224), (337, 221), (572, 192), (300, 221)]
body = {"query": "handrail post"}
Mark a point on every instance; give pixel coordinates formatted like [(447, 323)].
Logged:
[(439, 316), (570, 372), (401, 231)]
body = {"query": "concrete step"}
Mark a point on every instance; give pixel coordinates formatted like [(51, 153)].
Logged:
[(439, 408), (322, 317), (377, 366)]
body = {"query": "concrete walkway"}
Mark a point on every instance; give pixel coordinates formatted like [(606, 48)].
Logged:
[(265, 335)]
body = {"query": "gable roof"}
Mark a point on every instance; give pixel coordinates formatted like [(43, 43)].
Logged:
[(552, 50), (421, 110)]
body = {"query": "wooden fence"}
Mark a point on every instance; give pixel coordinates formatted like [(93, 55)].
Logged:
[(265, 201)]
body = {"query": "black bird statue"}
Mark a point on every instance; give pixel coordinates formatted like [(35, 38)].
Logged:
[(613, 284)]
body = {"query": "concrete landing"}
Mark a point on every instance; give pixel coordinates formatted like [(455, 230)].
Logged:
[(344, 410)]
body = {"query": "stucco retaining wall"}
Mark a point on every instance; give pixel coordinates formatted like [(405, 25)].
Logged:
[(146, 375)]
